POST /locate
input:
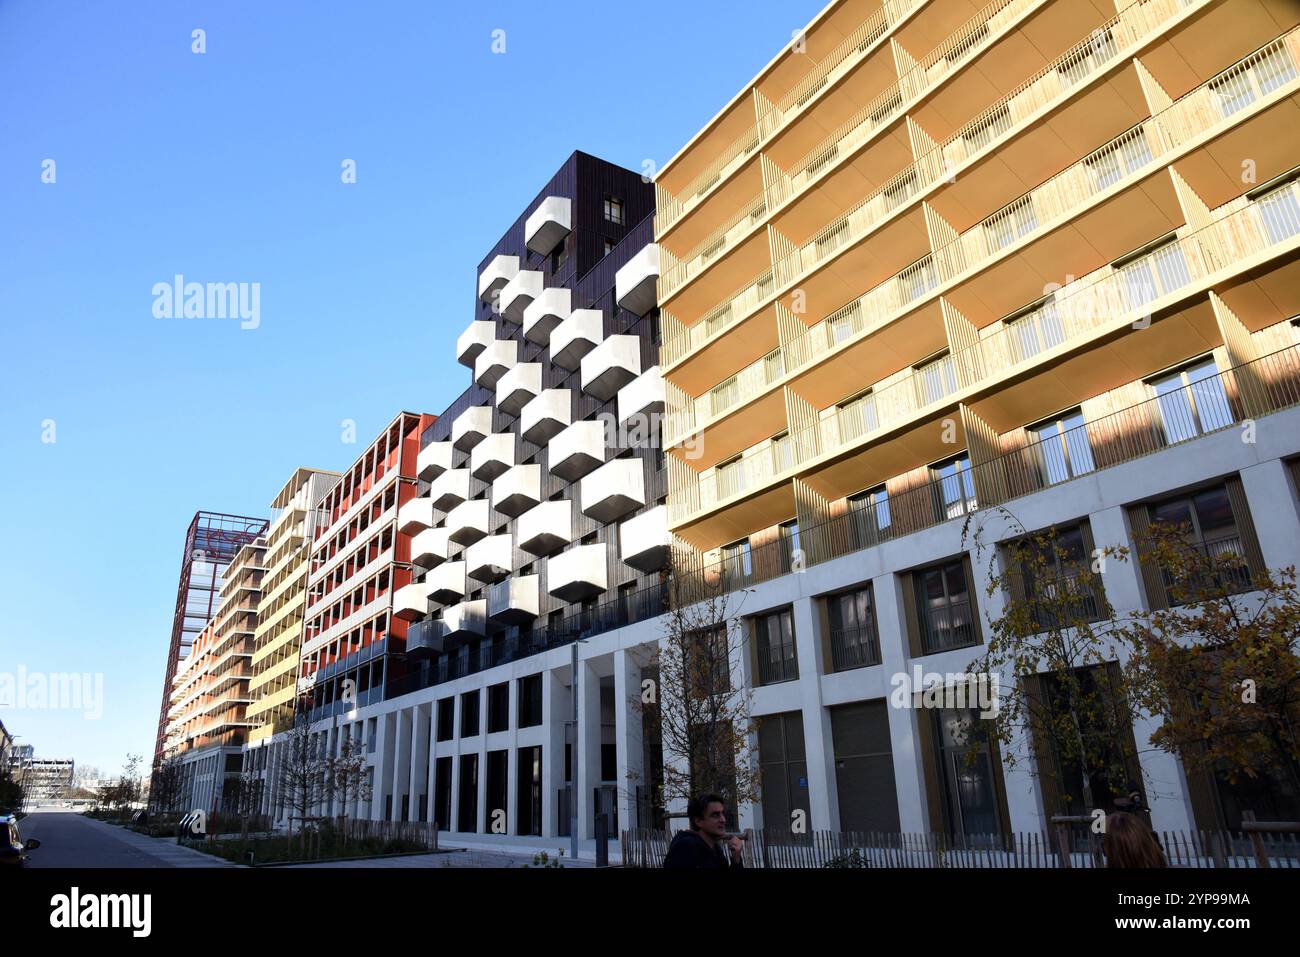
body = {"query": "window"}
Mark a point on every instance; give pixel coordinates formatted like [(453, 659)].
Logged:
[(918, 279), (935, 379), (1152, 272), (559, 256), (869, 514), (614, 210), (609, 246), (969, 804), (737, 563), (955, 486), (774, 644), (1050, 573), (899, 191), (852, 630), (1034, 330), (1062, 448), (1116, 159), (530, 701), (446, 719), (469, 713), (709, 661), (983, 131), (832, 239), (730, 477), (724, 395), (857, 416), (1211, 527), (791, 548), (498, 708), (1191, 401), (1080, 64), (782, 452), (1279, 210), (945, 611), (1009, 224)]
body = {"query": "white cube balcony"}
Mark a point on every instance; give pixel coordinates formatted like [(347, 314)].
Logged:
[(493, 456), (429, 548), (449, 489), (546, 528), (411, 602), (495, 275), (433, 460), (577, 574), (576, 336), (498, 358), (517, 490), (446, 583), (464, 622), (474, 340), (415, 516), (468, 428), (636, 284), (514, 601), (614, 490), (518, 387), (549, 223), (642, 397), (645, 542), (488, 559), (578, 450), (468, 521), (518, 293), (425, 639), (610, 366), (546, 312), (546, 416)]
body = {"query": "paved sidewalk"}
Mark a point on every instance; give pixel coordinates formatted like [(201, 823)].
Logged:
[(69, 839)]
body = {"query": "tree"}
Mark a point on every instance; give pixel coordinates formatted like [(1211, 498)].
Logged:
[(302, 773), (129, 782), (165, 791), (13, 793), (244, 798), (347, 779)]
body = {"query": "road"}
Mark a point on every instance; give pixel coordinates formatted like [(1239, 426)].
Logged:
[(70, 840)]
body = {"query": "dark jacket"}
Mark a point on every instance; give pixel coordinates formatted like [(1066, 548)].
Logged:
[(689, 850)]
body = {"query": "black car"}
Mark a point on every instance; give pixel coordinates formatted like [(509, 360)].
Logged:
[(13, 852)]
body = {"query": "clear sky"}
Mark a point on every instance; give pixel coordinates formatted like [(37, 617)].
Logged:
[(226, 167)]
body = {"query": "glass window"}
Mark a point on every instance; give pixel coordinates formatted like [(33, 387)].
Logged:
[(1062, 447), (1007, 225), (1280, 212), (966, 764), (791, 545), (857, 416), (1191, 401), (614, 210), (737, 560), (1034, 331), (956, 486), (944, 608), (852, 630), (936, 379), (869, 513), (776, 650)]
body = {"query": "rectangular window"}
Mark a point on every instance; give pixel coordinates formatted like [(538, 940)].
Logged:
[(1191, 401), (730, 477), (1034, 330), (614, 210), (530, 701), (774, 635), (737, 561), (935, 379), (853, 638), (1050, 578), (1210, 526), (1010, 223), (970, 804), (446, 719), (1279, 211), (869, 516), (498, 708), (791, 548), (857, 416), (469, 707), (954, 488), (1061, 447), (1153, 273), (945, 609)]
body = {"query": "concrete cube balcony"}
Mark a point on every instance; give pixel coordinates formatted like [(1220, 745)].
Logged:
[(496, 359), (519, 386), (468, 428), (518, 293), (514, 601), (495, 275), (474, 340), (493, 456), (577, 450), (464, 622), (446, 583), (577, 574), (411, 601), (546, 312), (415, 516), (576, 336), (429, 548), (548, 224), (488, 559), (635, 285), (517, 490), (449, 489), (643, 396), (645, 542), (468, 521), (433, 460), (546, 416), (610, 366), (614, 490), (546, 528)]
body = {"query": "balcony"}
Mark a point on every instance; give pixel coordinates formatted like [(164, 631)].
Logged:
[(548, 224), (495, 276), (546, 416), (493, 456), (514, 601), (464, 622), (576, 336), (425, 639), (446, 583), (429, 548), (433, 460), (518, 293), (545, 313), (577, 450), (643, 396), (449, 489), (411, 601), (577, 574), (517, 490), (518, 387), (489, 559), (546, 528), (468, 521), (610, 366), (496, 359), (469, 428), (645, 542), (474, 340), (415, 516), (614, 490), (635, 284)]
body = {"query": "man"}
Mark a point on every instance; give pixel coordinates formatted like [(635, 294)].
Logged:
[(701, 846)]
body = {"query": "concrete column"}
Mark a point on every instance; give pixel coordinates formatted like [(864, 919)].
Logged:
[(823, 803), (1272, 508), (904, 746), (555, 717), (385, 750), (419, 760), (627, 726), (512, 761), (587, 759)]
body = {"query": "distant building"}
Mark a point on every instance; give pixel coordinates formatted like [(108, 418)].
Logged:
[(45, 778)]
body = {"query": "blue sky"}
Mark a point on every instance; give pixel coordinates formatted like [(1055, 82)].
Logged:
[(225, 167)]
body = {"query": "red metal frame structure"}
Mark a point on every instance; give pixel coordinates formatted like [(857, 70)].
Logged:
[(211, 542)]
